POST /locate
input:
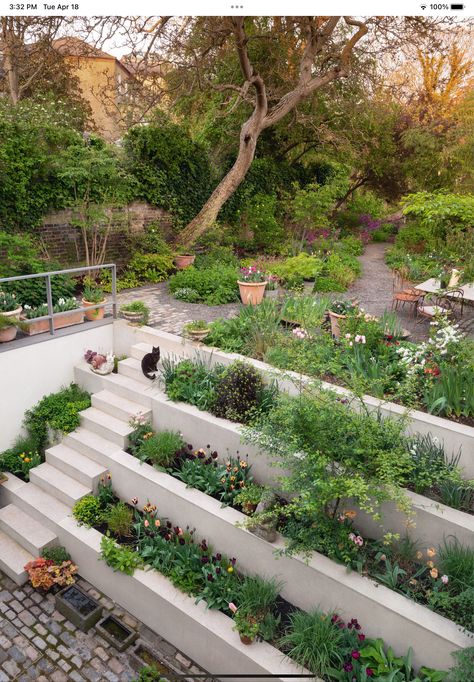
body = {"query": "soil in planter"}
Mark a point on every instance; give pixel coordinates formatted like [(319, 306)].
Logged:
[(115, 629), (149, 659), (79, 601)]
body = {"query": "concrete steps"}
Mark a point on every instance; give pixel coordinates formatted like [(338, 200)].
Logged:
[(132, 368), (58, 484), (13, 558), (91, 445), (106, 426), (118, 406), (76, 465), (25, 530), (139, 350)]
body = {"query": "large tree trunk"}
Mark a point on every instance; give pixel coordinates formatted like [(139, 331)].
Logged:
[(10, 58), (227, 186)]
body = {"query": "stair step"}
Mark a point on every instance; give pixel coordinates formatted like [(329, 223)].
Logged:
[(58, 484), (118, 406), (13, 558), (91, 445), (39, 504), (138, 350), (105, 425), (26, 530), (76, 465), (131, 367)]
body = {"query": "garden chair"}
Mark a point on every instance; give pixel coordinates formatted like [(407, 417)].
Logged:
[(404, 293), (455, 302), (432, 305)]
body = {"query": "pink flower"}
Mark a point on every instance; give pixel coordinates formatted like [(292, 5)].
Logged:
[(352, 537), (444, 579), (359, 541), (232, 607), (146, 523), (355, 654)]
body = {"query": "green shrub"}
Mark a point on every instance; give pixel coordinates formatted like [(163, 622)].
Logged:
[(213, 286), (239, 393), (216, 256), (119, 558), (161, 448), (19, 460), (150, 267), (190, 382), (88, 511), (119, 519), (463, 667), (58, 411), (57, 554), (301, 266), (259, 215), (149, 674)]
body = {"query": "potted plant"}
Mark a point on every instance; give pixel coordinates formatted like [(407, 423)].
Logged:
[(339, 310), (9, 306), (249, 497), (183, 260), (252, 283), (136, 312), (273, 285), (9, 327), (245, 624), (197, 330), (67, 306), (92, 295)]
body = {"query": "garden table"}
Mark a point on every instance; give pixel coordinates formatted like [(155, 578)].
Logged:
[(432, 286)]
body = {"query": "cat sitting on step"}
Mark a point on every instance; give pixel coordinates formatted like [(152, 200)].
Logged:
[(149, 362)]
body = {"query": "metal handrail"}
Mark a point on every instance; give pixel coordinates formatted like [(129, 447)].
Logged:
[(49, 296)]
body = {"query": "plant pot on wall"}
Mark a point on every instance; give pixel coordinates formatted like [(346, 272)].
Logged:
[(66, 319), (132, 318), (251, 293), (13, 313), (96, 314), (183, 261), (245, 639)]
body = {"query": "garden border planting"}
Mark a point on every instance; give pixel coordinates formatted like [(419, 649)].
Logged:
[(453, 435), (205, 636)]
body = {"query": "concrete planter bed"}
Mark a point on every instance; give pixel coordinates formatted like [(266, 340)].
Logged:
[(454, 436), (433, 521)]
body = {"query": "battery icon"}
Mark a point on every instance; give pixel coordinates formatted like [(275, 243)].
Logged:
[(457, 6)]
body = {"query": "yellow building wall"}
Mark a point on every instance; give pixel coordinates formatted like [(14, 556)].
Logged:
[(98, 83)]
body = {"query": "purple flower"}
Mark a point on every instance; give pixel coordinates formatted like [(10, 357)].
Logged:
[(348, 667)]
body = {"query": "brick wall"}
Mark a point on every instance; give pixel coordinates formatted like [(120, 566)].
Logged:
[(64, 241)]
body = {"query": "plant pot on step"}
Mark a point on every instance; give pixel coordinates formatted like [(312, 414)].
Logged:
[(251, 293), (197, 334), (183, 261), (335, 319), (245, 639), (96, 314), (132, 318)]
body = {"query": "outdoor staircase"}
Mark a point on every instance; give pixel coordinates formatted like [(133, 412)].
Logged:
[(72, 470)]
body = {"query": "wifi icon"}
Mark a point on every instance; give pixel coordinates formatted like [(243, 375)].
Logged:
[(423, 6)]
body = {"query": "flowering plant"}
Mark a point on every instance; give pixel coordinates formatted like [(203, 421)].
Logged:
[(8, 302), (63, 305), (245, 624), (252, 275), (272, 282), (342, 307), (45, 573)]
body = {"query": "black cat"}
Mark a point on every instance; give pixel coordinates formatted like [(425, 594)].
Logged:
[(149, 362)]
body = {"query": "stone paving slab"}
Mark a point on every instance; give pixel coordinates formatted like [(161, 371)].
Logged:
[(38, 643)]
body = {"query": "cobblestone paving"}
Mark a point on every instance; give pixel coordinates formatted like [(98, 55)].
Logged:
[(38, 643), (169, 314)]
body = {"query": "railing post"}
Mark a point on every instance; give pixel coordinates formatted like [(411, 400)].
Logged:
[(114, 291), (49, 299)]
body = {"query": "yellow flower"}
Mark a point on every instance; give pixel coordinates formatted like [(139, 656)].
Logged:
[(419, 555), (232, 478), (430, 564), (434, 573), (350, 514), (431, 552), (27, 459), (230, 569)]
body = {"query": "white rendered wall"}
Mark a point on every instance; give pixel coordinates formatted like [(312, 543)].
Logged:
[(27, 373)]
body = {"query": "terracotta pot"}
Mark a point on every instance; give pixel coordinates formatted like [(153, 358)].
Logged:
[(184, 261), (335, 328), (197, 334), (249, 508), (96, 314), (8, 334), (245, 639), (66, 319), (251, 293), (13, 313)]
